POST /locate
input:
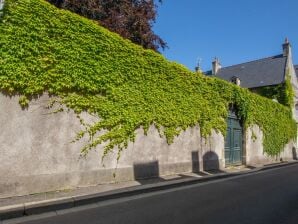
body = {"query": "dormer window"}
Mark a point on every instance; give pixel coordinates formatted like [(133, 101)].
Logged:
[(235, 80)]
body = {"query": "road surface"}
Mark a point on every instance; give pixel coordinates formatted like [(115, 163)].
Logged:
[(269, 196)]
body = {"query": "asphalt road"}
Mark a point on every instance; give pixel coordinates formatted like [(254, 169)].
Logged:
[(266, 197)]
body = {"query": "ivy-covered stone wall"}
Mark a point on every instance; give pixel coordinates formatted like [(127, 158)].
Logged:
[(91, 69), (38, 155), (109, 99)]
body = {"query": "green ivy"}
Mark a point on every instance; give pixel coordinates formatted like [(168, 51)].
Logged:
[(283, 92), (289, 93), (45, 49), (272, 92), (254, 136)]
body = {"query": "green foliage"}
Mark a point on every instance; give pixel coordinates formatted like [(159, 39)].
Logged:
[(288, 92), (254, 136), (283, 93), (23, 101), (271, 92), (127, 87)]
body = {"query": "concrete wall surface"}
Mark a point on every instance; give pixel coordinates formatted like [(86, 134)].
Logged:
[(255, 151), (36, 153)]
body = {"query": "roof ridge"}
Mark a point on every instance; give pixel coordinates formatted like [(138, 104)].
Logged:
[(275, 56)]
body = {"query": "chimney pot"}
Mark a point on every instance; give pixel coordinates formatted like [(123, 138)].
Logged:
[(286, 48), (215, 66)]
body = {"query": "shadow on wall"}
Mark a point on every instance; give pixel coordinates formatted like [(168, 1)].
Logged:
[(210, 161), (146, 170), (195, 161), (294, 152)]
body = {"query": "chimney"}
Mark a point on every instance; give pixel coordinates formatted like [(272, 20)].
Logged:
[(215, 66), (198, 67), (286, 48)]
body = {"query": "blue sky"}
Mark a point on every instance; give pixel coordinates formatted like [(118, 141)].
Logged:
[(233, 30)]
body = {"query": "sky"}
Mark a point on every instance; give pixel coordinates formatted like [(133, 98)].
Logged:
[(235, 31)]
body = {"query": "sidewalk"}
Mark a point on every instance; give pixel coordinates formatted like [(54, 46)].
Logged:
[(51, 201), (100, 188)]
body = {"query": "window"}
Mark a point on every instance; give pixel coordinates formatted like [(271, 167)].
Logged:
[(235, 80)]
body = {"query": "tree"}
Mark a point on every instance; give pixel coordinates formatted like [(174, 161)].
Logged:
[(132, 19)]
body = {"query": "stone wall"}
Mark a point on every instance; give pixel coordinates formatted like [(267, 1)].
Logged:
[(37, 154), (291, 72), (255, 152)]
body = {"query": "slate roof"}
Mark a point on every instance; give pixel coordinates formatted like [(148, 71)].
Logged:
[(263, 72)]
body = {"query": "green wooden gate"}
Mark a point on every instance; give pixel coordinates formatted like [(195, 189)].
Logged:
[(233, 140)]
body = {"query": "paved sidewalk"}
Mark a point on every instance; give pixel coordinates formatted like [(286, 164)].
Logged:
[(95, 189), (14, 207), (110, 187)]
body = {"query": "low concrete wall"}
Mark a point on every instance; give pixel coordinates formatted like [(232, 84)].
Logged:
[(36, 153)]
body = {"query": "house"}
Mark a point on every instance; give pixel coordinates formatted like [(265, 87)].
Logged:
[(274, 77), (263, 76)]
